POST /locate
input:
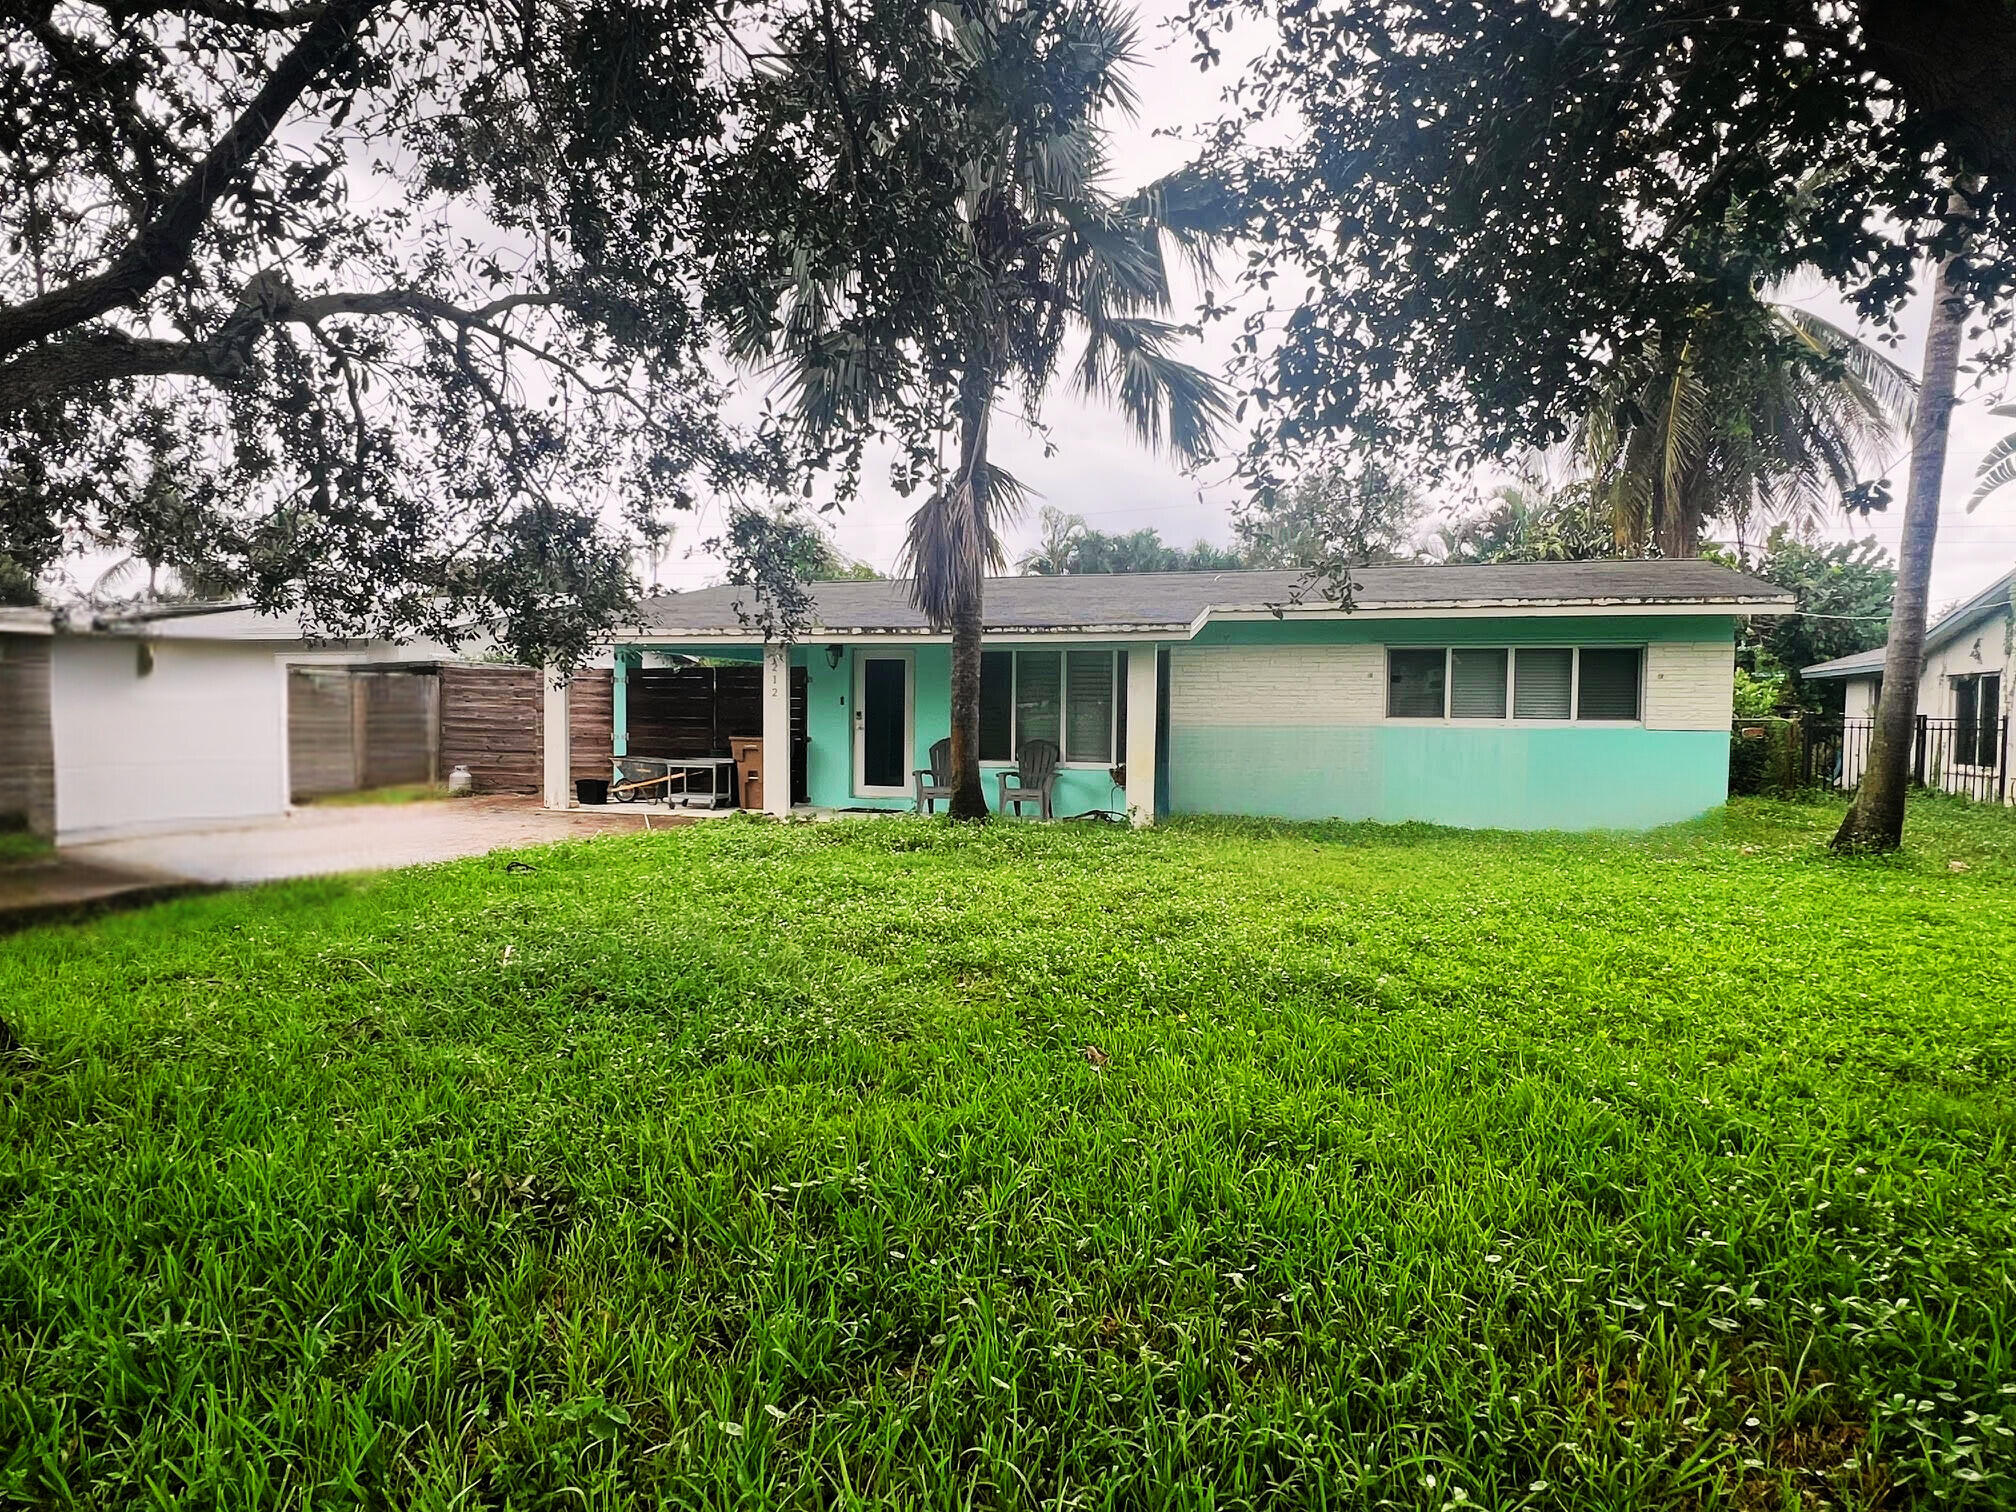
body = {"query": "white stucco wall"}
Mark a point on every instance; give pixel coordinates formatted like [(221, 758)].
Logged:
[(201, 737)]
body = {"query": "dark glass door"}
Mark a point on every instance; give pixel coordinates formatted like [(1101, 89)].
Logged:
[(885, 720)]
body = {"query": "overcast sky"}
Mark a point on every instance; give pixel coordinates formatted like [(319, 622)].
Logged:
[(1100, 472)]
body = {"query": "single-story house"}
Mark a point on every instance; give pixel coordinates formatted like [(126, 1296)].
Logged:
[(1964, 695), (154, 720), (1581, 695)]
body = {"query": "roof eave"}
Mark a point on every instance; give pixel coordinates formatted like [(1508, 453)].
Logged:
[(1138, 629)]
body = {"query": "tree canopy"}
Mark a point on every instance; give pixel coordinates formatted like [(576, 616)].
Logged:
[(1066, 545), (401, 288), (1488, 202), (1844, 590), (1529, 521)]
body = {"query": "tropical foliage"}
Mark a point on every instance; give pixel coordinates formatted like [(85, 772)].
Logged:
[(1483, 206), (1065, 545), (1844, 589), (1333, 516), (1756, 413), (932, 222), (1528, 520), (1997, 467)]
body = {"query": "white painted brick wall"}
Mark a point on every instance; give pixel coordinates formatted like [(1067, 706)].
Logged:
[(1689, 685), (1254, 686)]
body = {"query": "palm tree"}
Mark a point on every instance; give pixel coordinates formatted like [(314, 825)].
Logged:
[(1058, 535), (1758, 412), (1875, 820), (1041, 250)]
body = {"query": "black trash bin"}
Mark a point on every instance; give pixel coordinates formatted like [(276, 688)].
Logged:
[(591, 790)]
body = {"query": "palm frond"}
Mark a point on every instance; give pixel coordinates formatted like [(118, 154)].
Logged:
[(1891, 388), (1167, 401), (953, 541), (1197, 208), (1997, 468)]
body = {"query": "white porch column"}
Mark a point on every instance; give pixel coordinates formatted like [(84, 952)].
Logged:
[(777, 730), (556, 740), (1142, 683)]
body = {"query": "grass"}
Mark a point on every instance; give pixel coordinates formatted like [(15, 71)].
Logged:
[(403, 792), (1225, 1165), (18, 845)]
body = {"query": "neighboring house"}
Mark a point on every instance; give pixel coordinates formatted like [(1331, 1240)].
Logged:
[(1579, 695), (1964, 694)]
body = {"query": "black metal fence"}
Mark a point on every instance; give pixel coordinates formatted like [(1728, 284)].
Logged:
[(1969, 758)]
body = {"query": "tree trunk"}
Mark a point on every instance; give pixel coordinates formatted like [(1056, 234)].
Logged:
[(969, 798), (1876, 818)]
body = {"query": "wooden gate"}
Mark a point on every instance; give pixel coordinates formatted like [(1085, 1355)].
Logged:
[(27, 750), (352, 728), (321, 739)]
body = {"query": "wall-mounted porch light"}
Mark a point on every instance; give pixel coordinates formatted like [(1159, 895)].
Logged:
[(833, 657)]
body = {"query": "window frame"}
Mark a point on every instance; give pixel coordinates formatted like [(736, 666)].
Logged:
[(1970, 732), (1115, 712), (1574, 717)]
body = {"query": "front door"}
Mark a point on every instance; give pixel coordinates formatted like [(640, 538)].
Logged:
[(882, 737)]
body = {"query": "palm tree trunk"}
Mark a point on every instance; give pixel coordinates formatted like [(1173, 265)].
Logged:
[(969, 798), (1876, 818)]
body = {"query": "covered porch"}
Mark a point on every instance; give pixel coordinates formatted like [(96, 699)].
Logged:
[(869, 708)]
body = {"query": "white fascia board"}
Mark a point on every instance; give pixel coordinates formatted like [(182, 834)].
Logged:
[(819, 636), (27, 622), (1519, 609)]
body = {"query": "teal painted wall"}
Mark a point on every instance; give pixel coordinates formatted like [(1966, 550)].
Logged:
[(1572, 777), (1559, 777), (829, 694)]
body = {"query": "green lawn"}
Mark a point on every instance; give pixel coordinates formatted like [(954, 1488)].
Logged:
[(880, 1163), (19, 845), (404, 792)]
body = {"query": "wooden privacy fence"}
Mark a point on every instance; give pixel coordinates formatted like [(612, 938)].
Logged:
[(492, 718), (27, 752), (695, 711), (365, 727)]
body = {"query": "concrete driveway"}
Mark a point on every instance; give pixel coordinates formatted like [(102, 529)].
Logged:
[(314, 842)]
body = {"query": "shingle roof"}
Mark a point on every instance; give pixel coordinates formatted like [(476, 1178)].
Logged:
[(1173, 601), (1947, 627)]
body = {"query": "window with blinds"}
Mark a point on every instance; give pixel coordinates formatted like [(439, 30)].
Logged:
[(1088, 706), (1039, 696), (1476, 684), (1594, 683), (1069, 697), (1543, 682), (1607, 683)]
